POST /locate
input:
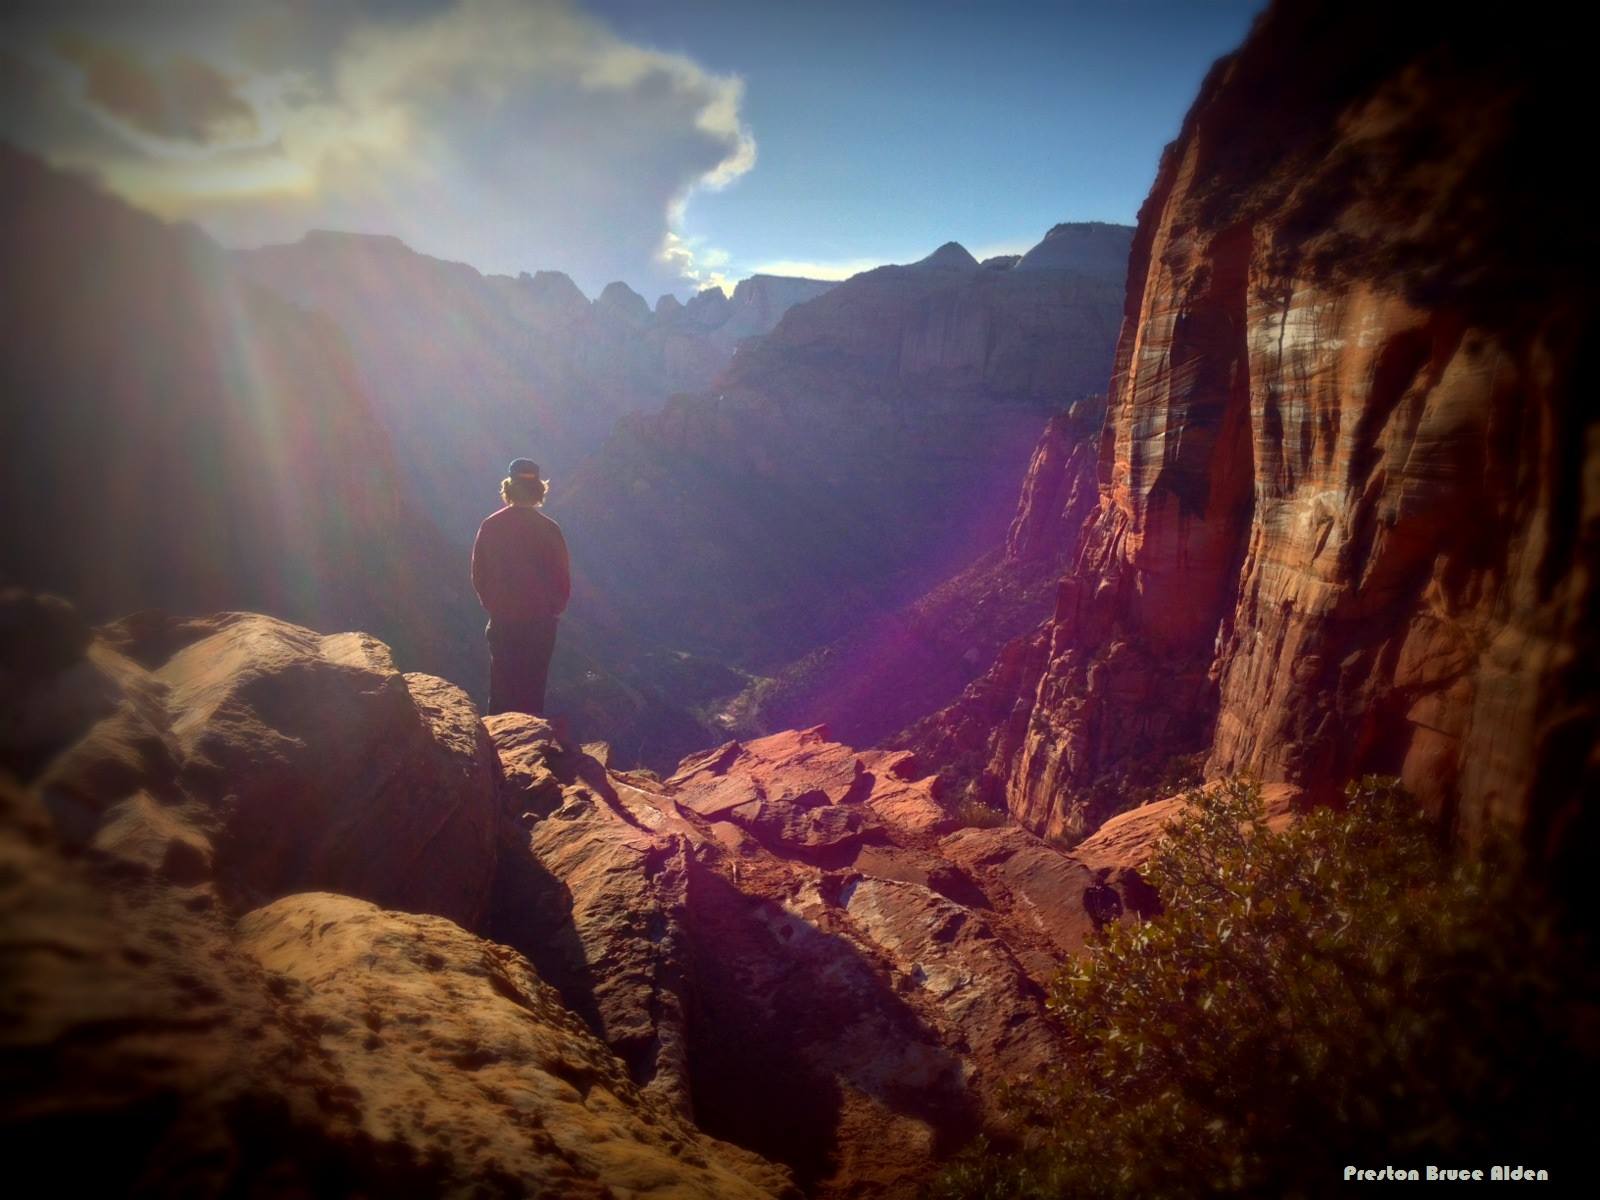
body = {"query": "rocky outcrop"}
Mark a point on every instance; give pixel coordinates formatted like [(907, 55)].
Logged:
[(266, 759), (179, 774), (861, 453), (476, 1057), (1347, 515), (790, 909), (307, 922)]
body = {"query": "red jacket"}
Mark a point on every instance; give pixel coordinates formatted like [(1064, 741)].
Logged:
[(520, 568)]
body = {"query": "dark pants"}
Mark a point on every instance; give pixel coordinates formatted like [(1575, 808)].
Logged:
[(519, 664)]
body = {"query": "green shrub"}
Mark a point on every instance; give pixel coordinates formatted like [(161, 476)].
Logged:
[(1340, 993), (975, 813)]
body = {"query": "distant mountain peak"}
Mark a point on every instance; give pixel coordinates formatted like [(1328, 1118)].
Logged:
[(1096, 248), (1063, 228), (950, 256), (554, 288), (387, 242), (622, 299)]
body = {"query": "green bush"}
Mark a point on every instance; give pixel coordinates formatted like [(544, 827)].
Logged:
[(1342, 993), (977, 814)]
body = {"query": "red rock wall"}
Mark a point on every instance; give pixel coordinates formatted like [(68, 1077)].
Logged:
[(1348, 492)]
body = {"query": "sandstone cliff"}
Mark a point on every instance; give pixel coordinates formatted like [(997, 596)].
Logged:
[(1347, 514)]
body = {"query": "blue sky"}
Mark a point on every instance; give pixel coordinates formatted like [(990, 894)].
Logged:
[(671, 145), (885, 129)]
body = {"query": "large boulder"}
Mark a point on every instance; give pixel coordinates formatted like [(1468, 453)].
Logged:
[(453, 1046), (167, 776), (267, 759), (594, 893), (320, 1046)]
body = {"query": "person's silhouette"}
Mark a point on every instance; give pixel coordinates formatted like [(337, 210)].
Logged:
[(522, 575)]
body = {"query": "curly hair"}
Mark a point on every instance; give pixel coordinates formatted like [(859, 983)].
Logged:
[(524, 489)]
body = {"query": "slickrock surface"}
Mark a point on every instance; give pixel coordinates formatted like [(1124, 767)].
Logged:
[(304, 922), (157, 1037), (450, 1043), (793, 942), (1348, 511)]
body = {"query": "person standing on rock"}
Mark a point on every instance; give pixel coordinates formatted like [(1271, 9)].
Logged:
[(522, 575)]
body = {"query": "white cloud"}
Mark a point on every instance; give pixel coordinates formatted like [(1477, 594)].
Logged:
[(996, 249), (694, 262), (810, 269), (512, 135)]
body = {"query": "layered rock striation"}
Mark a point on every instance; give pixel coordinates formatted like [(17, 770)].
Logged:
[(1347, 513)]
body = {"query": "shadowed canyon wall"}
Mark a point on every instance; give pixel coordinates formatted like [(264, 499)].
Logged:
[(863, 451), (174, 435), (1348, 503), (468, 371), (895, 667)]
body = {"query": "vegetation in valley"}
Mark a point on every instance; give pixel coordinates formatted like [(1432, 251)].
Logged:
[(1127, 787), (1343, 992), (974, 813)]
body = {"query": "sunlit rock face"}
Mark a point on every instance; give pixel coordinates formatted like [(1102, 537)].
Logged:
[(795, 943), (1347, 492), (307, 920), (864, 450), (199, 821)]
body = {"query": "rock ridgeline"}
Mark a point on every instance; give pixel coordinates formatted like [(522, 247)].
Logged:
[(899, 666), (1347, 518), (306, 923), (865, 449), (461, 364), (174, 435), (228, 448)]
